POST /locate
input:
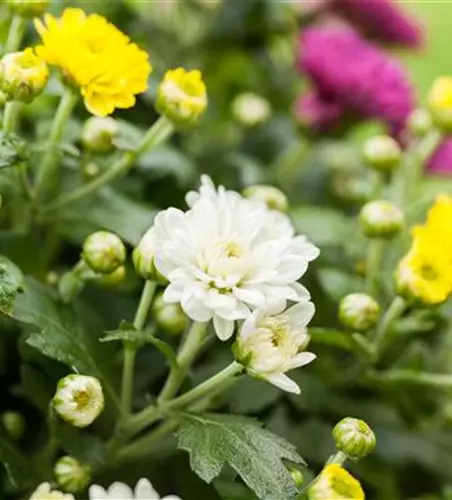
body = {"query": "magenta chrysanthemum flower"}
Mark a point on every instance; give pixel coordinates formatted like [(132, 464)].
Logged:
[(318, 113), (382, 20), (441, 160), (356, 75)]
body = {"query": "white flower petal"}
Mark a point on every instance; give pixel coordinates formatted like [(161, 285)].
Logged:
[(96, 492), (304, 358), (120, 491), (283, 382), (300, 314), (224, 328), (145, 491)]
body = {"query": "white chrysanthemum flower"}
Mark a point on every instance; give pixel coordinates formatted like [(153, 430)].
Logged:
[(269, 346), (227, 256), (143, 491), (79, 399), (45, 492)]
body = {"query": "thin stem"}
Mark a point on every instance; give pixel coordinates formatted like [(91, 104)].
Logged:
[(373, 266), (15, 34), (185, 358), (10, 116), (338, 458), (130, 348), (438, 380), (49, 165), (394, 311), (159, 132)]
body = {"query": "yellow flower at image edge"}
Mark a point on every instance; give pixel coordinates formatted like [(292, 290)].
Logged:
[(96, 57), (335, 483)]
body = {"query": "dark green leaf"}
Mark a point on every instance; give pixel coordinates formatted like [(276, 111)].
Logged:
[(35, 387), (88, 448), (256, 454), (12, 150), (16, 464), (11, 283)]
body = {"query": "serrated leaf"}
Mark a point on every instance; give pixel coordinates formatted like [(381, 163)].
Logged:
[(12, 150), (62, 336), (256, 454), (11, 283), (15, 462)]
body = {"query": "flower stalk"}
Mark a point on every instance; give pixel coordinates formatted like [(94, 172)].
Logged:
[(10, 116), (374, 256), (15, 34), (395, 310)]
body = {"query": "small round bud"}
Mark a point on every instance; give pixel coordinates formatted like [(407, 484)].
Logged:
[(23, 76), (104, 252), (14, 423), (45, 492), (440, 103), (297, 477), (28, 8), (169, 317), (98, 134), (419, 122), (381, 219), (382, 153), (52, 278), (79, 400), (354, 438), (250, 109), (90, 171), (143, 256), (359, 312), (335, 483), (271, 196), (182, 96), (112, 279), (72, 475)]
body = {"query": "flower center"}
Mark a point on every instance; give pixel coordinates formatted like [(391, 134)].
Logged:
[(82, 400), (279, 327), (428, 273)]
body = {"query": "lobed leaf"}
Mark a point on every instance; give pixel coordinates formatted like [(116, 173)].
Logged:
[(11, 283)]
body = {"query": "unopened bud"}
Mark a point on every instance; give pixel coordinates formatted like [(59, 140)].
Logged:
[(45, 492), (419, 122), (112, 279), (381, 219), (143, 256), (440, 103), (182, 96), (170, 317), (104, 252), (72, 475), (335, 483), (297, 477), (250, 109), (23, 75), (354, 438), (271, 196), (79, 400), (359, 312), (14, 423), (382, 153), (98, 134), (29, 8)]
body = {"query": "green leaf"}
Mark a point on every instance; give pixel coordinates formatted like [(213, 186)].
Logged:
[(11, 283), (256, 454), (337, 283), (35, 387), (16, 464), (12, 150), (62, 335), (88, 448)]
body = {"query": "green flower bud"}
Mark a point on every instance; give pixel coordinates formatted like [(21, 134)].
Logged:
[(98, 134), (250, 109), (419, 122), (354, 438), (169, 317), (29, 8), (79, 400), (335, 483), (45, 492), (381, 219), (72, 475), (359, 312), (382, 153), (182, 96), (271, 196), (14, 423), (297, 477), (112, 279), (23, 76), (143, 257), (90, 171), (104, 252)]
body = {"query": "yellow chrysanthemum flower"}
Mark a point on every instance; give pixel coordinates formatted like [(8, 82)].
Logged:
[(335, 483), (440, 102), (438, 227), (95, 56), (182, 96)]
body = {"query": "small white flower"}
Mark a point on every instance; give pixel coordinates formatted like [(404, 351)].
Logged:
[(44, 492), (79, 399), (269, 346), (120, 491), (227, 256)]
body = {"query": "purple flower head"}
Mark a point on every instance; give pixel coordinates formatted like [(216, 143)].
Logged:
[(356, 75), (441, 160), (318, 113), (381, 20)]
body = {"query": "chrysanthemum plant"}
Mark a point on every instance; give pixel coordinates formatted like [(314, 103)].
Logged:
[(225, 270)]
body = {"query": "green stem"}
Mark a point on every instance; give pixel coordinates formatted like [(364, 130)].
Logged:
[(185, 358), (394, 311), (440, 381), (373, 266), (49, 165), (15, 34), (338, 458), (10, 116), (130, 348), (159, 132)]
